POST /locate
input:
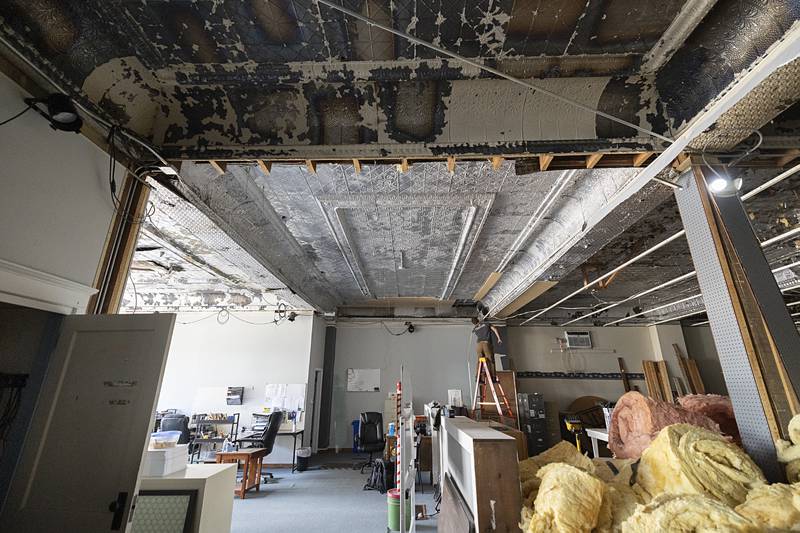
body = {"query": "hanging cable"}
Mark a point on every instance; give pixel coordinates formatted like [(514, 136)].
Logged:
[(6, 121), (492, 70)]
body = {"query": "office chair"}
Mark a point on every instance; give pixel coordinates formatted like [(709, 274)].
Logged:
[(268, 437), (370, 436), (175, 422)]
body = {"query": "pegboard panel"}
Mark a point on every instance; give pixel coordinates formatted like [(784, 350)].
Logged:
[(739, 378)]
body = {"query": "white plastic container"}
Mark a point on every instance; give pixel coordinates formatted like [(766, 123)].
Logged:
[(165, 461)]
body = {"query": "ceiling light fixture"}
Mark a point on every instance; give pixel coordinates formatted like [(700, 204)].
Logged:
[(61, 113), (725, 185)]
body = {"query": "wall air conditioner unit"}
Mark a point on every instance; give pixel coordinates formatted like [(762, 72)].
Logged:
[(578, 339)]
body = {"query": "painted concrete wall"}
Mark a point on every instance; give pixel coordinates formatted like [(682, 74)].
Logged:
[(700, 346), (536, 349), (55, 204), (435, 356), (207, 354)]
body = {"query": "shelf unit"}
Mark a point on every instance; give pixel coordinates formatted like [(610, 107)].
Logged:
[(201, 423)]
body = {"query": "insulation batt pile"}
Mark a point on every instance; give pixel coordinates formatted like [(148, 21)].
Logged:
[(636, 420), (717, 408), (689, 479)]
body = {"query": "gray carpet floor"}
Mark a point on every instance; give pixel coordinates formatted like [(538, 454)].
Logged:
[(327, 497)]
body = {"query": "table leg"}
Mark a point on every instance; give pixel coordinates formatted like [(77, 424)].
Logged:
[(595, 448), (294, 451), (245, 477), (259, 465)]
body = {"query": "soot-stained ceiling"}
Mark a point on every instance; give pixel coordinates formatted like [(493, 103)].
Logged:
[(295, 78), (262, 84)]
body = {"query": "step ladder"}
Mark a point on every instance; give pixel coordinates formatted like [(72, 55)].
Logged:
[(479, 396)]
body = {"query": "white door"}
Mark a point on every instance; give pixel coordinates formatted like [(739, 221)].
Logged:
[(80, 463)]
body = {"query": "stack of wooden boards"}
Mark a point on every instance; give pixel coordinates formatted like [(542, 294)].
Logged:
[(657, 377)]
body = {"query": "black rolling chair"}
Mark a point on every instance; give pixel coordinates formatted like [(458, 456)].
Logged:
[(268, 437), (177, 423), (370, 436)]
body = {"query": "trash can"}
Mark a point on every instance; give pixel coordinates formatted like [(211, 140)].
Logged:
[(355, 436), (303, 455), (393, 510)]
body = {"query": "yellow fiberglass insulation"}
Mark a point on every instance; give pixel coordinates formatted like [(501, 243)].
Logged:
[(569, 500), (773, 506), (563, 452), (687, 513), (686, 459)]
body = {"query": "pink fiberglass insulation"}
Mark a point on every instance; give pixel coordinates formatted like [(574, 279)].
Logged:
[(717, 408), (636, 421)]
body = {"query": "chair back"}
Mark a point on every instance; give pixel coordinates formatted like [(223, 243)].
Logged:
[(177, 423), (271, 433), (370, 429)]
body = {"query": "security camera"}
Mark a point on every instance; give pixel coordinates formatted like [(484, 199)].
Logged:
[(410, 327)]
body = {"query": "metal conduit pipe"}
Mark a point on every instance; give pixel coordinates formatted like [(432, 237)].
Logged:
[(610, 273), (537, 216), (761, 188), (647, 312)]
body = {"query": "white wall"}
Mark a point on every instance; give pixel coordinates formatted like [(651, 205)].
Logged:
[(55, 206), (536, 349), (236, 354), (435, 356)]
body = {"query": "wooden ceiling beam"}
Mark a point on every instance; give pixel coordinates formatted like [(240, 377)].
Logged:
[(639, 159), (593, 159), (265, 166), (544, 161), (451, 164), (219, 166), (311, 166), (357, 166), (497, 161)]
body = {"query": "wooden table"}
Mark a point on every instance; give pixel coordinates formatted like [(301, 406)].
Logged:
[(253, 459)]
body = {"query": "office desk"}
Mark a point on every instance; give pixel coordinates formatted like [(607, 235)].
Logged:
[(214, 503), (256, 438), (252, 458)]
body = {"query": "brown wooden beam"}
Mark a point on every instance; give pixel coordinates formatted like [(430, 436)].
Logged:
[(497, 161), (357, 166), (639, 159), (788, 157), (311, 166), (544, 161), (112, 273), (265, 166), (451, 164), (219, 166), (403, 166), (593, 159)]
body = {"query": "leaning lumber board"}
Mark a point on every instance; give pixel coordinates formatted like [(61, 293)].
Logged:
[(663, 378)]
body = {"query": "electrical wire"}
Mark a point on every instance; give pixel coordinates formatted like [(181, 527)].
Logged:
[(6, 121), (135, 293), (392, 332)]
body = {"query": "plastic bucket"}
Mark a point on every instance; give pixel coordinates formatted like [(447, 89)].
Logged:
[(393, 510)]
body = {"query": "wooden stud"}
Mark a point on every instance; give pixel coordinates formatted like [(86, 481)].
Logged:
[(788, 157), (544, 161), (219, 166), (496, 162), (639, 159), (592, 159), (311, 166), (403, 166), (682, 163), (451, 164), (357, 166), (265, 166)]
